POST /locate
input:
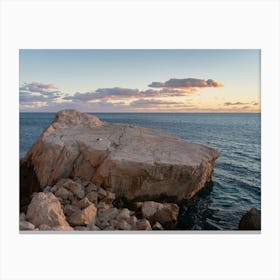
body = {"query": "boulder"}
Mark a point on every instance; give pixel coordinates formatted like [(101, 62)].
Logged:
[(92, 197), (83, 217), (157, 226), (76, 188), (62, 192), (143, 224), (106, 217), (63, 228), (24, 225), (164, 213), (124, 214), (123, 225), (101, 193), (91, 188), (44, 227), (70, 209), (83, 203), (110, 197), (251, 220), (134, 162), (45, 208)]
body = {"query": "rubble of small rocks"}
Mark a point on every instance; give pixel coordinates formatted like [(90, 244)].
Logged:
[(83, 206)]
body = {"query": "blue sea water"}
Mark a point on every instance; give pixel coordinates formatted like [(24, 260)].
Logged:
[(237, 174)]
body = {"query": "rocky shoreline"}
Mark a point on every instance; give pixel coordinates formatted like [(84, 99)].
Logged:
[(75, 205), (84, 174)]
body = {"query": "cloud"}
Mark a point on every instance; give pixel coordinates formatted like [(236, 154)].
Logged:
[(186, 83), (118, 93), (35, 95), (104, 93), (240, 103), (141, 103), (234, 103), (45, 89)]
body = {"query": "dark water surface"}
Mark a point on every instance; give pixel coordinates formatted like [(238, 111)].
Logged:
[(237, 175)]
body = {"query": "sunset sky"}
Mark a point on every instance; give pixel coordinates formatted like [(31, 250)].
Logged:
[(140, 80)]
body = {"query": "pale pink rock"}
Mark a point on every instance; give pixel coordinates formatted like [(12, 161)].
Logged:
[(83, 203), (143, 224), (72, 186), (164, 213), (63, 228), (135, 162), (44, 227), (45, 208), (83, 217)]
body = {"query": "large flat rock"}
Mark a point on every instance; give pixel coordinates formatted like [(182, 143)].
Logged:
[(136, 162)]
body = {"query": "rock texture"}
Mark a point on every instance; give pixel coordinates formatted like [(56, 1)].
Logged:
[(251, 220), (165, 214), (134, 162), (46, 209)]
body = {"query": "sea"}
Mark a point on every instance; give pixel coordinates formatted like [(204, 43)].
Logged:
[(237, 174)]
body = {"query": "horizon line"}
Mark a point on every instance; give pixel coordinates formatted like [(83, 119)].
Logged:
[(153, 112)]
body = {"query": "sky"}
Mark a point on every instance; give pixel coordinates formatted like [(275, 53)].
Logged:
[(140, 80)]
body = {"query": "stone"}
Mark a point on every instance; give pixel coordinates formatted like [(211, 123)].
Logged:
[(47, 189), (93, 226), (101, 193), (164, 213), (62, 192), (81, 228), (132, 221), (70, 209), (91, 188), (251, 220), (103, 205), (45, 208), (53, 189), (44, 227), (92, 197), (123, 225), (110, 197), (83, 203), (143, 224), (22, 216), (157, 226), (63, 228), (74, 187), (124, 214), (105, 217), (83, 217), (135, 162), (24, 225)]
